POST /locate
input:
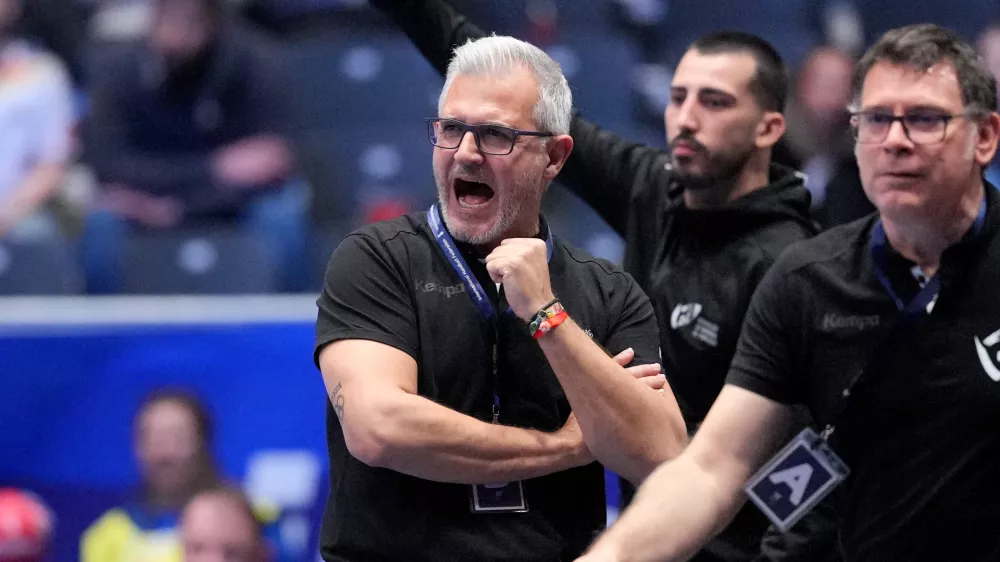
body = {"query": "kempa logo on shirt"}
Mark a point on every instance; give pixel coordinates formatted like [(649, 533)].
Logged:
[(833, 322), (984, 354), (446, 290)]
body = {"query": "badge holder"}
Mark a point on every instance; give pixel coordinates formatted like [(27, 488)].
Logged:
[(796, 479), (498, 498)]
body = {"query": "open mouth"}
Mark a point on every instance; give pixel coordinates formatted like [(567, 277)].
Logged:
[(472, 194)]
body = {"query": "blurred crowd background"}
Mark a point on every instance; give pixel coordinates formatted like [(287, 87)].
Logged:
[(223, 147)]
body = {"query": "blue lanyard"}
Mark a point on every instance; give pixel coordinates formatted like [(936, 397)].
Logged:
[(458, 263), (930, 290), (910, 311), (475, 290)]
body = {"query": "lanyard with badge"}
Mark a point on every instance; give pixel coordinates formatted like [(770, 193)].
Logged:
[(806, 470), (484, 498)]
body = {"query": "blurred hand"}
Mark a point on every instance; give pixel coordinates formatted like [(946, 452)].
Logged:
[(154, 212), (253, 162)]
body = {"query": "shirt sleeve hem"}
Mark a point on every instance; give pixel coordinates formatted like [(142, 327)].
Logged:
[(760, 387), (337, 335)]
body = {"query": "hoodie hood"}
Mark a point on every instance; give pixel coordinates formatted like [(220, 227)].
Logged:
[(784, 198)]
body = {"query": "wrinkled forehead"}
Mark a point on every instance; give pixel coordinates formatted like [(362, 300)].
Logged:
[(507, 98), (889, 85)]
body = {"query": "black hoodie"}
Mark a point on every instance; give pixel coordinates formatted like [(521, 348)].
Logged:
[(699, 268)]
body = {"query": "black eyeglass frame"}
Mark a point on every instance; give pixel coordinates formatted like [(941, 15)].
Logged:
[(475, 129), (943, 118)]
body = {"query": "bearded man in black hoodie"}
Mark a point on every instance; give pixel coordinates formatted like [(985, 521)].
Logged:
[(702, 222)]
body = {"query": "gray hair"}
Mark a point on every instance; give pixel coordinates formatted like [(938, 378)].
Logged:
[(922, 46), (499, 55)]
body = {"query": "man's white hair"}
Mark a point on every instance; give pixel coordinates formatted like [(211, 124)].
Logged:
[(498, 55)]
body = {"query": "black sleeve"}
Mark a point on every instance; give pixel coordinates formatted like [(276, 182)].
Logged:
[(636, 325), (116, 160), (765, 352), (365, 296), (603, 168), (434, 26), (814, 538)]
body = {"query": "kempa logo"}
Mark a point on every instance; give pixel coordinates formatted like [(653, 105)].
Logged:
[(984, 354), (833, 322), (446, 290)]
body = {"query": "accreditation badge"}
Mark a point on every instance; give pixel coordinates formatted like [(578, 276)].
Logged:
[(498, 498), (796, 479)]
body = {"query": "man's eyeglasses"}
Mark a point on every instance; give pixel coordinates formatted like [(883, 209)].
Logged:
[(490, 139), (922, 127)]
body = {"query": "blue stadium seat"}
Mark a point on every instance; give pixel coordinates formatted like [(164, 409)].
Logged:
[(966, 17), (198, 261), (38, 268), (391, 159), (599, 69), (341, 80), (789, 26), (512, 16), (324, 241)]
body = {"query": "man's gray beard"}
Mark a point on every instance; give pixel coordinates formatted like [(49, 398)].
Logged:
[(509, 213)]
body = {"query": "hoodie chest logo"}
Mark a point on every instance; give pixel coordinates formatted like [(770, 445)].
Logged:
[(702, 329)]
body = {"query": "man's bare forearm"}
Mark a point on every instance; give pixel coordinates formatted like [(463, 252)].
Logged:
[(416, 436), (629, 427), (676, 510)]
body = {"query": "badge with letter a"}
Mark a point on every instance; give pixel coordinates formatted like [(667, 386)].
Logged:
[(796, 479)]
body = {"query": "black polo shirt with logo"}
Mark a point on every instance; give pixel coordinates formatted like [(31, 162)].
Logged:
[(921, 432), (390, 282)]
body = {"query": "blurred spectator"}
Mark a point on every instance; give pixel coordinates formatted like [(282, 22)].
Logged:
[(25, 527), (220, 526), (188, 129), (60, 25), (36, 122), (173, 434), (172, 442), (820, 138), (988, 45)]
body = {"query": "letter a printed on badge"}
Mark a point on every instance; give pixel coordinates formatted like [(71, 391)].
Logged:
[(796, 479)]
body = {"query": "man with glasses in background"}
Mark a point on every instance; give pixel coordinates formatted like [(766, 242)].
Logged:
[(461, 347), (888, 328)]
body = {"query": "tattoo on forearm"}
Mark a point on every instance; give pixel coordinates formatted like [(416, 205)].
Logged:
[(338, 402)]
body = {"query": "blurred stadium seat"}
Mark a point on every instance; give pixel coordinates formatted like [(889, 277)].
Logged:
[(324, 241), (599, 69), (38, 268), (965, 17), (789, 26), (209, 261), (373, 162), (289, 480), (344, 79)]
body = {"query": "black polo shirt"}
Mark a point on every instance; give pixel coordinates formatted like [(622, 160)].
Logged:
[(390, 282), (921, 433)]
